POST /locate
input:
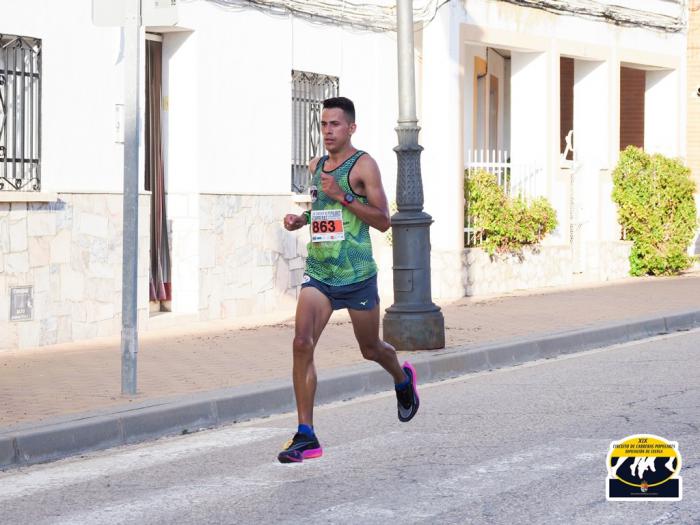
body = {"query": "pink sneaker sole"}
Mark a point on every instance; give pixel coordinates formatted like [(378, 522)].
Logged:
[(296, 457), (313, 453)]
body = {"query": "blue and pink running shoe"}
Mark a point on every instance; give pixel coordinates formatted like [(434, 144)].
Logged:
[(407, 398), (299, 448)]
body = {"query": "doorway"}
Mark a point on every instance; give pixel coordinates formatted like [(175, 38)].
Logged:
[(160, 285)]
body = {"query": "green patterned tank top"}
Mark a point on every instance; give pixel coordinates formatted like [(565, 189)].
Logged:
[(339, 263)]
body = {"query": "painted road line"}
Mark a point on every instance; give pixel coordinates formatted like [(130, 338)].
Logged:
[(483, 480), (161, 504), (14, 484)]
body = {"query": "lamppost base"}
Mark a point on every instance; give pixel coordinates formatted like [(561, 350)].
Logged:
[(415, 330)]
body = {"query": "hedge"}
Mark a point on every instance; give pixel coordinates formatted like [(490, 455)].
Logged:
[(656, 209)]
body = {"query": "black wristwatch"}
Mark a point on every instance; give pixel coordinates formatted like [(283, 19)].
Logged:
[(347, 199)]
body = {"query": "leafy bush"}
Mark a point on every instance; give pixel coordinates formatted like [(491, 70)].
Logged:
[(654, 196), (501, 223)]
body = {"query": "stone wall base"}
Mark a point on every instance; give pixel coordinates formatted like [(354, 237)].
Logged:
[(249, 264), (70, 253), (540, 267)]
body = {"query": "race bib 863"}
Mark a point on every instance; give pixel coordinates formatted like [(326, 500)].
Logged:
[(327, 225)]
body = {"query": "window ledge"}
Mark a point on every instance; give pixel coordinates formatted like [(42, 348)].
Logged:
[(28, 196), (302, 199)]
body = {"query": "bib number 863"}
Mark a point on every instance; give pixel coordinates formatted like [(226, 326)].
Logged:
[(323, 226)]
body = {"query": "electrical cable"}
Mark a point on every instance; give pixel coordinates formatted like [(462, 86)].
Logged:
[(372, 17), (614, 14), (382, 18)]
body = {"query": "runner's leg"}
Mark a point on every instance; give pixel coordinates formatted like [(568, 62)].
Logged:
[(365, 323), (313, 312)]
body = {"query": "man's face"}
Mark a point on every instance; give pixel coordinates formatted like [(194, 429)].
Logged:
[(336, 129)]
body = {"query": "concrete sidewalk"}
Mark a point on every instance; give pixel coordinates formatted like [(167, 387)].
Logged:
[(51, 388)]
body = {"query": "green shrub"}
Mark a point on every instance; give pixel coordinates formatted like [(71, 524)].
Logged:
[(656, 209), (501, 223)]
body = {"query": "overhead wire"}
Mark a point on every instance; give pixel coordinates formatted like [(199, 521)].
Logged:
[(614, 14), (382, 18), (365, 16)]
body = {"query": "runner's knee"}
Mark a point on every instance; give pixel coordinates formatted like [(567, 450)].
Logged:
[(370, 351), (303, 345)]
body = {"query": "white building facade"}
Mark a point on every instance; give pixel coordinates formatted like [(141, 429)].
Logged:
[(507, 81), (239, 86)]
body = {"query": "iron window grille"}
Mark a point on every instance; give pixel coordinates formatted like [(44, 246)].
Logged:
[(309, 90), (20, 113)]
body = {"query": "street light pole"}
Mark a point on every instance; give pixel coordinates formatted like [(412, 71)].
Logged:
[(129, 340), (413, 322)]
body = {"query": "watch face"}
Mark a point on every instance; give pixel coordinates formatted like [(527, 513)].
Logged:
[(349, 197)]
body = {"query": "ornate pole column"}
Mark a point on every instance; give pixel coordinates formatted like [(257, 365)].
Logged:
[(413, 322)]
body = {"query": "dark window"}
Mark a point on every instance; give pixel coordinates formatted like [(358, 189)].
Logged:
[(632, 102), (20, 113), (566, 103), (309, 90)]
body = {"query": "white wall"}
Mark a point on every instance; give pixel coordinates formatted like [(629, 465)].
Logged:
[(181, 126), (180, 119), (441, 135), (662, 126), (591, 139), (531, 109), (369, 78), (81, 83), (241, 110)]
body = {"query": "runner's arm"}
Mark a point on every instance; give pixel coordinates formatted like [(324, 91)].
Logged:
[(294, 222), (376, 211)]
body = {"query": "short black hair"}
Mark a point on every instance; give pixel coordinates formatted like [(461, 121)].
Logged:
[(342, 103)]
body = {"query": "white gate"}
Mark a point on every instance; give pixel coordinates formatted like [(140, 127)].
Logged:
[(515, 179)]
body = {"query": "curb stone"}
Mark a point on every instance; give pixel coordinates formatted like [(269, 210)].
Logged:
[(66, 436)]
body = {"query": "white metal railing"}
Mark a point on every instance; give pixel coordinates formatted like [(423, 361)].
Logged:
[(493, 161), (515, 179)]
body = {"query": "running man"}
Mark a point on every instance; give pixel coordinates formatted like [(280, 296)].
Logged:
[(348, 198)]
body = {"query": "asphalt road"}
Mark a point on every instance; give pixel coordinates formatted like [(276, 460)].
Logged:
[(520, 445)]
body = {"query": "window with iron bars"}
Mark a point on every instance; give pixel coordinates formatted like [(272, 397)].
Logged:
[(20, 113), (309, 90)]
